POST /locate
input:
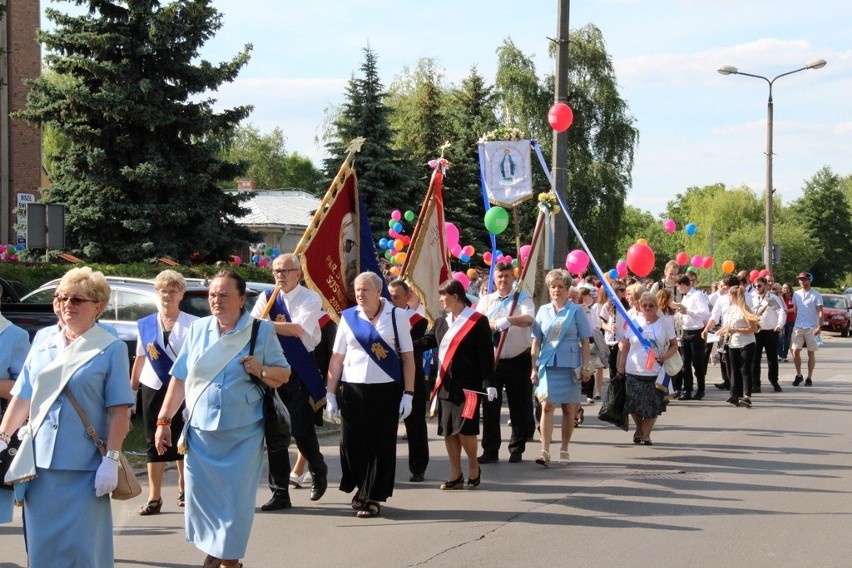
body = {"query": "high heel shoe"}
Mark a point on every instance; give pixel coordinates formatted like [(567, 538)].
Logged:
[(454, 483), (544, 459), (151, 508), (474, 482)]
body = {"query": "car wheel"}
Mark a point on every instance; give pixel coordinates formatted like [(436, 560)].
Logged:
[(845, 332)]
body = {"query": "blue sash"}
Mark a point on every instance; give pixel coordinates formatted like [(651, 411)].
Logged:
[(555, 332), (301, 360), (149, 333), (502, 308), (373, 344)]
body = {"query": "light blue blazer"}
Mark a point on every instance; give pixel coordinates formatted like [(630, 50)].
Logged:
[(567, 352)]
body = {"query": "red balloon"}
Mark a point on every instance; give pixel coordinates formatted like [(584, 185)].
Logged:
[(682, 258), (708, 262), (764, 272), (752, 275), (640, 259), (560, 117)]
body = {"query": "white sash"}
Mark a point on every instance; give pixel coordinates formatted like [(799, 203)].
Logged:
[(47, 386), (452, 330), (4, 323), (210, 364)]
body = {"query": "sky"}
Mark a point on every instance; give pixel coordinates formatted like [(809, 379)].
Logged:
[(696, 126)]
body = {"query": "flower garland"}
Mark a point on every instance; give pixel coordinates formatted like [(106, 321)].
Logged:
[(548, 203), (502, 133)]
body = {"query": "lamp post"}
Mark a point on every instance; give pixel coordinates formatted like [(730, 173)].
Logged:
[(730, 70)]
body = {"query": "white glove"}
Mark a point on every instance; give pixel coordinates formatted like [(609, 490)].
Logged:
[(3, 445), (23, 430), (405, 406), (135, 399), (185, 413), (492, 393), (106, 478), (502, 324), (331, 407)]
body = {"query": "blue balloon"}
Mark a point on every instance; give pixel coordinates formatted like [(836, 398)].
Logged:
[(498, 253), (397, 227), (383, 243), (19, 247), (255, 258), (464, 258), (613, 273), (691, 229), (275, 252)]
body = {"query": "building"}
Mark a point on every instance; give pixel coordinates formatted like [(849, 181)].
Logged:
[(281, 216), (20, 143)]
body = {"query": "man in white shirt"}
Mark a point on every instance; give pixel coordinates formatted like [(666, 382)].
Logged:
[(694, 315), (773, 314), (808, 304), (513, 368)]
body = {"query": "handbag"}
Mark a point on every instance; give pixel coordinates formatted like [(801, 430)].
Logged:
[(6, 457), (128, 486), (673, 364), (612, 409), (276, 417)]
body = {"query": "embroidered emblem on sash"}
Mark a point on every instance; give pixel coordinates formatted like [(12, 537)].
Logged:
[(379, 351), (152, 351)]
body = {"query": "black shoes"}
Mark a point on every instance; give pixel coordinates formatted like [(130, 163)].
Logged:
[(744, 402), (318, 487), (451, 484), (416, 477), (487, 459), (685, 396), (698, 395), (755, 389), (280, 500), (798, 380), (808, 382), (776, 387), (732, 400), (723, 386), (515, 457)]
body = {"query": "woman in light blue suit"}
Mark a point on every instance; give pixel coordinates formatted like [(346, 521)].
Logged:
[(14, 345), (560, 345), (223, 437), (66, 503)]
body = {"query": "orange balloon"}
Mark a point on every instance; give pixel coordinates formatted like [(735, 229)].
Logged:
[(642, 241), (471, 272), (395, 270), (728, 267), (400, 257)]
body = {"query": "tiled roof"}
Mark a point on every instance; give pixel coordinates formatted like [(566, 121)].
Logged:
[(274, 208)]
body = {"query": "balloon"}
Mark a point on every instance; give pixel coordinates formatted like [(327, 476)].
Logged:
[(456, 250), (452, 235), (391, 223), (398, 244), (19, 247), (764, 273), (462, 278), (464, 257), (486, 258), (383, 243), (396, 215), (237, 260), (507, 258), (255, 258), (669, 225), (409, 216), (263, 262), (613, 274), (406, 240), (471, 272), (515, 262), (468, 250), (395, 270), (496, 220), (560, 116), (640, 259), (728, 267), (577, 261), (389, 253), (642, 241), (708, 262), (392, 233), (397, 227), (752, 275), (682, 258), (621, 268), (697, 261), (691, 229), (400, 257), (525, 251), (268, 252)]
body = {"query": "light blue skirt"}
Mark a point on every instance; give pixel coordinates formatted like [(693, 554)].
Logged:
[(561, 386), (7, 505), (222, 474), (66, 525)]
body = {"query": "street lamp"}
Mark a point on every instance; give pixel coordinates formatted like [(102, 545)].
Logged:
[(731, 70)]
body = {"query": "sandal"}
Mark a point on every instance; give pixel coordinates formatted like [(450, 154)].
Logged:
[(544, 459), (357, 504), (151, 508), (580, 416), (181, 500), (564, 457), (371, 509)]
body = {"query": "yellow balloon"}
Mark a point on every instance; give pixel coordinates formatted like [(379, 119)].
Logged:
[(642, 241)]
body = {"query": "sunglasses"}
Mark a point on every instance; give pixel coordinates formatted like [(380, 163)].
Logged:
[(649, 306), (621, 290), (74, 300)]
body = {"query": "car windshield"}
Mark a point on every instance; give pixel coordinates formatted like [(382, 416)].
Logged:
[(836, 303)]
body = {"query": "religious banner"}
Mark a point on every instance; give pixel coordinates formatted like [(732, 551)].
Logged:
[(506, 171)]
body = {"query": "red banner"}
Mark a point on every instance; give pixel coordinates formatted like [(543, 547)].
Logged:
[(471, 399)]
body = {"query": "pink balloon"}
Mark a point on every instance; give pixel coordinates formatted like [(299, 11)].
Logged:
[(708, 262), (669, 225), (396, 215), (456, 250), (237, 260), (577, 261), (697, 261), (452, 235), (263, 262), (468, 250), (462, 278), (682, 258), (560, 117), (392, 233), (640, 259), (764, 272), (753, 275), (621, 268)]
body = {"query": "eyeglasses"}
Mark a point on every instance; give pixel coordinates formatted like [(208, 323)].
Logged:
[(284, 271), (621, 290), (649, 306), (74, 300)]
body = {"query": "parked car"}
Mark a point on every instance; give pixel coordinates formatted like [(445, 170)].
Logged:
[(848, 292), (132, 299), (836, 313)]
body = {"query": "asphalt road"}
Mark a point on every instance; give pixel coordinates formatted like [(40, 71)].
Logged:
[(721, 486)]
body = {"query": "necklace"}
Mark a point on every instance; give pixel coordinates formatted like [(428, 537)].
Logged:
[(378, 311)]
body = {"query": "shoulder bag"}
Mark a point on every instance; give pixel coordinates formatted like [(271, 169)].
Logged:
[(276, 417), (6, 457), (128, 486)]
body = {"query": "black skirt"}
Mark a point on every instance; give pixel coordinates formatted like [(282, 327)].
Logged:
[(152, 403)]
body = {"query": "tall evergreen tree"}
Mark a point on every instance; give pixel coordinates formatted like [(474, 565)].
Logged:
[(385, 175), (139, 177)]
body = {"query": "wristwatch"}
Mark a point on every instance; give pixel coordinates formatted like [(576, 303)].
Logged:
[(114, 455), (262, 372)]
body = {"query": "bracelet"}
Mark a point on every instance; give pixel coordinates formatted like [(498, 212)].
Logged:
[(164, 421), (114, 455), (409, 393), (5, 437)]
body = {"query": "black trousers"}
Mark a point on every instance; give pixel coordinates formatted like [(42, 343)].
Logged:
[(295, 398), (765, 340), (415, 428), (740, 369), (692, 351), (514, 375)]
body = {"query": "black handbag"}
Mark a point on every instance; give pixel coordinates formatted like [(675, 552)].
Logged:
[(276, 417), (6, 457), (612, 409)]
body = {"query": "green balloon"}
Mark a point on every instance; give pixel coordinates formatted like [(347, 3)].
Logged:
[(391, 223), (268, 251), (409, 216), (496, 220)]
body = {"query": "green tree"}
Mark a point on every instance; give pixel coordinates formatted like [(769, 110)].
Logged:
[(385, 178), (825, 213), (139, 177)]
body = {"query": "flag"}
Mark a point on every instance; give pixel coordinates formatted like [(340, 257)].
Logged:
[(471, 399), (507, 174), (426, 265), (338, 243)]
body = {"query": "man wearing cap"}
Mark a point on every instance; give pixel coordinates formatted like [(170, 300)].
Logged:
[(808, 306)]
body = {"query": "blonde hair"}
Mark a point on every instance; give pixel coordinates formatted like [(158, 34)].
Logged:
[(91, 283), (738, 298), (634, 293), (168, 278), (558, 274)]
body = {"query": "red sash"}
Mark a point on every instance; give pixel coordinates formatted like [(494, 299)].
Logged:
[(451, 351)]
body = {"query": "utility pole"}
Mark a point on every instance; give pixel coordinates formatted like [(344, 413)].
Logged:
[(560, 139)]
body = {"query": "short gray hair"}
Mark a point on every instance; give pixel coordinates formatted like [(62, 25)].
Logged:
[(374, 279)]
